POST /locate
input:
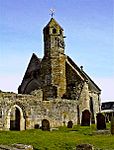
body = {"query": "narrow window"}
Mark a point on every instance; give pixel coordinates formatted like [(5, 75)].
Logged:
[(54, 31)]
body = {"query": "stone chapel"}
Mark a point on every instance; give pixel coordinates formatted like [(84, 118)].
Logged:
[(54, 90)]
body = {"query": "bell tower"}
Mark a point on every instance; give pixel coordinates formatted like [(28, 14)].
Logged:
[(54, 57), (53, 39)]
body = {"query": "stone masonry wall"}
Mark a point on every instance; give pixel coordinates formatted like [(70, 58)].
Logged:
[(33, 110), (73, 82)]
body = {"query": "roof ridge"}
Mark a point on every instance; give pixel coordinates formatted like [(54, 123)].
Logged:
[(53, 20)]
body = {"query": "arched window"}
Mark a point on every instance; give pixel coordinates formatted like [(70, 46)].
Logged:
[(54, 31)]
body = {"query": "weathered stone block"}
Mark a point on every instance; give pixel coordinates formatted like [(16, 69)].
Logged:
[(16, 147), (23, 147), (84, 147)]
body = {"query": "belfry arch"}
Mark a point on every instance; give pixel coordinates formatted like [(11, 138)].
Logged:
[(16, 119)]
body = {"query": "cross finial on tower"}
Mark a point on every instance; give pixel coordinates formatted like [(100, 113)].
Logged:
[(52, 12)]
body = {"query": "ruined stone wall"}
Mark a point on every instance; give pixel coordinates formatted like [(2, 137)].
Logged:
[(33, 110), (84, 100)]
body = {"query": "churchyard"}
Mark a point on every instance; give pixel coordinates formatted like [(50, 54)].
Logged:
[(62, 138)]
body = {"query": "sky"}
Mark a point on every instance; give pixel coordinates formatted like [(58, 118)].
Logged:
[(89, 29)]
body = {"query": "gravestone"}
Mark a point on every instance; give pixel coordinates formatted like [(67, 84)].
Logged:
[(101, 123), (70, 124), (36, 126), (45, 125), (85, 118), (112, 125)]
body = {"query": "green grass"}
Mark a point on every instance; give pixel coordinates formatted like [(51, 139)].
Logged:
[(63, 139)]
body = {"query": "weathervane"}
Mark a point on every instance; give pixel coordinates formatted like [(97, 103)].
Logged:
[(52, 12)]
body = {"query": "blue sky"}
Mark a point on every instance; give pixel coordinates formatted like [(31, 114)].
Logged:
[(88, 26)]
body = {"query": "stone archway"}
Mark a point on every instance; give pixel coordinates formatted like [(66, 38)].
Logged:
[(85, 118), (15, 119)]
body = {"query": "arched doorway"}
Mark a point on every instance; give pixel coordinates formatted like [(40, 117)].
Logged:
[(15, 119), (85, 118)]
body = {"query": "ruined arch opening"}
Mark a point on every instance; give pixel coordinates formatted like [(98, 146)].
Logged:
[(15, 119)]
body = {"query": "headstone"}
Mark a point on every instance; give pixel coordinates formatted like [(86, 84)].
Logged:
[(70, 124), (101, 123), (36, 126), (85, 118), (84, 147), (45, 125), (112, 125)]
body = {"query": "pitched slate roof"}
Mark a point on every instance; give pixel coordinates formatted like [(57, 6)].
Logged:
[(33, 64)]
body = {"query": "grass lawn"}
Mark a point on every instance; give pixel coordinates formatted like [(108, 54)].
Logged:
[(63, 139)]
